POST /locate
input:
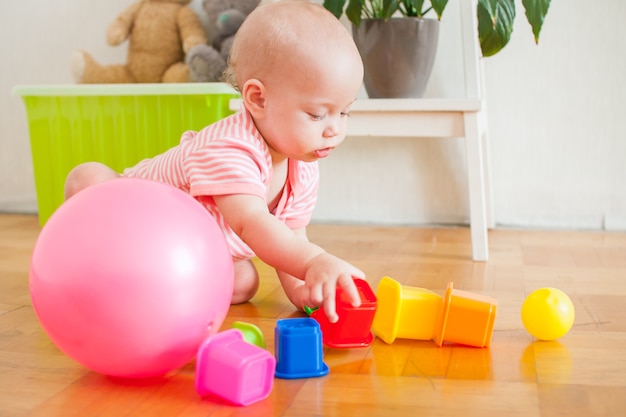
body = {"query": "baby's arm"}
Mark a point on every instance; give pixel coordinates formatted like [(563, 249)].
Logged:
[(291, 253), (295, 288)]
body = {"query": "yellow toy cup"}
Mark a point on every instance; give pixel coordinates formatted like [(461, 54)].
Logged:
[(405, 312), (467, 318)]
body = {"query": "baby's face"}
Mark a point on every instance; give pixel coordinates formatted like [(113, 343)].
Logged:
[(307, 109)]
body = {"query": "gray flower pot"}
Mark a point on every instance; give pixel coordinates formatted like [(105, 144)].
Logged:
[(398, 55)]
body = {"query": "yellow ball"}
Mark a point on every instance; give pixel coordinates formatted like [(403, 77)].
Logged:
[(548, 313)]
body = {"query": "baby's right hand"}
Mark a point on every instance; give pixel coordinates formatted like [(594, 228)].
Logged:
[(323, 274)]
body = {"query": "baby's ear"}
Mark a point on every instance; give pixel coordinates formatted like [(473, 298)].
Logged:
[(253, 95)]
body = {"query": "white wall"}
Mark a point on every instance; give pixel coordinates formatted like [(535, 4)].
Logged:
[(556, 133)]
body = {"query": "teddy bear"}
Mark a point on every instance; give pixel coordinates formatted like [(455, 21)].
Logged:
[(159, 33), (207, 62)]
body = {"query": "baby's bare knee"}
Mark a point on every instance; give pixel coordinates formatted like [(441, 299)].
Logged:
[(246, 282), (85, 175)]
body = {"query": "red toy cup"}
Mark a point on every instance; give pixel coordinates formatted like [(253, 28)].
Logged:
[(354, 327)]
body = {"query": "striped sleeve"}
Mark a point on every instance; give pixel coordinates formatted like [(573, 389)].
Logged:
[(227, 165), (166, 167)]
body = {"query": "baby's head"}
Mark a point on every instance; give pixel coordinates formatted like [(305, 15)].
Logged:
[(291, 39), (298, 71)]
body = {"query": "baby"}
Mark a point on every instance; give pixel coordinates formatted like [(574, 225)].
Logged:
[(256, 172)]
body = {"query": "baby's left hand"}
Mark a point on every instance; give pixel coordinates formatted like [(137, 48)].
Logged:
[(323, 274)]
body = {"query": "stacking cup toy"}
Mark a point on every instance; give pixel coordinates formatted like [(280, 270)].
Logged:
[(251, 333), (467, 318), (405, 312), (354, 327), (298, 349), (231, 368)]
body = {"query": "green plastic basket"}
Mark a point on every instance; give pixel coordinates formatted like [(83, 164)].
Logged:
[(117, 124)]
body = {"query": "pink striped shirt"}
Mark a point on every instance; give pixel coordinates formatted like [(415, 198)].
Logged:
[(231, 157)]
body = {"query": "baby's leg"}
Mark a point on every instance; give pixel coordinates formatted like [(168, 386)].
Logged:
[(84, 175), (246, 282)]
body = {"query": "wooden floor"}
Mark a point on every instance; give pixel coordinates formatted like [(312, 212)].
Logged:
[(582, 374)]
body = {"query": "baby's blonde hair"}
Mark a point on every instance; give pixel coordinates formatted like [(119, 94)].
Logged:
[(283, 33)]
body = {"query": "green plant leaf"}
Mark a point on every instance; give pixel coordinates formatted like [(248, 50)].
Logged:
[(411, 7), (495, 24), (495, 17), (353, 11), (439, 6), (536, 11), (335, 7), (389, 8)]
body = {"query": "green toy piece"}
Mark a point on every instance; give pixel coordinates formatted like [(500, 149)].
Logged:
[(251, 333), (309, 310)]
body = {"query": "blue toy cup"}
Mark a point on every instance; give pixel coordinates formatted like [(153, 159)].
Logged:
[(298, 349)]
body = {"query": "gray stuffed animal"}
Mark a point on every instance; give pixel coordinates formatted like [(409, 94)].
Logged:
[(207, 62)]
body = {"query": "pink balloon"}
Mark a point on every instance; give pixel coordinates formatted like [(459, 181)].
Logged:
[(128, 277)]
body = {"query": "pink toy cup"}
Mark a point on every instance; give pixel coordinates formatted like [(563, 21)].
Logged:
[(231, 368)]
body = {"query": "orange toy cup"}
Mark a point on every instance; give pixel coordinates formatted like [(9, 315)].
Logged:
[(354, 327), (466, 318)]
